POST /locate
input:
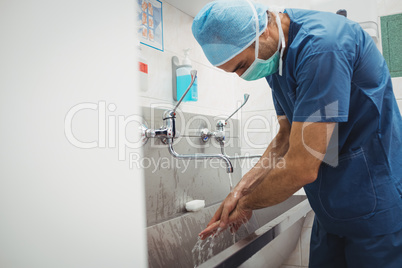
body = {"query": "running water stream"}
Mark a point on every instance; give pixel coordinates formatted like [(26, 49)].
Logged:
[(231, 182), (199, 256), (231, 190)]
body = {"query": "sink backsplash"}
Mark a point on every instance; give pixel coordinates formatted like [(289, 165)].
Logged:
[(169, 182)]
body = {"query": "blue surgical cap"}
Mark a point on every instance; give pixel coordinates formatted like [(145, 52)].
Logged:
[(225, 28)]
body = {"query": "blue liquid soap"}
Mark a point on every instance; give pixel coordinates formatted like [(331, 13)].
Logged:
[(183, 81)]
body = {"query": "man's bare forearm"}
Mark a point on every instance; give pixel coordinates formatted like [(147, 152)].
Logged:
[(296, 169), (275, 151), (279, 185)]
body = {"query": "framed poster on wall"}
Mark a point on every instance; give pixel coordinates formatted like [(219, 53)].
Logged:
[(151, 23)]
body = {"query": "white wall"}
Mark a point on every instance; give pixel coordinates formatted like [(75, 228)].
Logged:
[(359, 11), (62, 206)]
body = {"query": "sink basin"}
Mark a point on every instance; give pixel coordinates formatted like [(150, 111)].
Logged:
[(269, 231)]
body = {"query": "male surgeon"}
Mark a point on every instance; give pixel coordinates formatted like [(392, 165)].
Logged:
[(340, 131)]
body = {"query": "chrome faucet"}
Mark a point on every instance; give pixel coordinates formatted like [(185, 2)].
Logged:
[(229, 166), (168, 133), (219, 133)]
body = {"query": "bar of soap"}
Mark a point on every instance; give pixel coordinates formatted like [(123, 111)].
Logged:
[(195, 205)]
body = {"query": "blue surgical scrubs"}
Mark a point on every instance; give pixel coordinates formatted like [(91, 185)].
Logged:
[(333, 72)]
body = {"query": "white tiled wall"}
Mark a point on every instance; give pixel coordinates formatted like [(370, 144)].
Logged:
[(258, 128), (389, 7)]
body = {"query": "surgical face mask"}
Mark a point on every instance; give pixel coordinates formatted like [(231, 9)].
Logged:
[(261, 68)]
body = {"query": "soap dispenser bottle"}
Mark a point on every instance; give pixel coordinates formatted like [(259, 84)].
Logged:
[(183, 80)]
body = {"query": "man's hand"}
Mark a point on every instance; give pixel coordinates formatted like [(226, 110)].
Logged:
[(227, 206), (237, 217)]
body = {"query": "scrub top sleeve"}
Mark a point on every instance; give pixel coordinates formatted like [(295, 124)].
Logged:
[(324, 85), (278, 108)]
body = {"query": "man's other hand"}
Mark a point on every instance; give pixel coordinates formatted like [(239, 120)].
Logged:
[(235, 218)]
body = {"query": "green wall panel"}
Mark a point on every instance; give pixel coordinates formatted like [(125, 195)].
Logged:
[(391, 31)]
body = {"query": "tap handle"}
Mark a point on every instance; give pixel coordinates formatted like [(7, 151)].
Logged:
[(193, 77), (246, 96)]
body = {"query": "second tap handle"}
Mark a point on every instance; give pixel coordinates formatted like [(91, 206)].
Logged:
[(246, 96)]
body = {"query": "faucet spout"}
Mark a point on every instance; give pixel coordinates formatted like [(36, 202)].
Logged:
[(237, 157), (229, 166)]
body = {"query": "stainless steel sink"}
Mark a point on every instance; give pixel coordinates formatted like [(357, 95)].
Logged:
[(269, 231)]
